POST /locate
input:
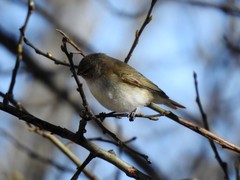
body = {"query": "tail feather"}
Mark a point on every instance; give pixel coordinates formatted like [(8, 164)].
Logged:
[(173, 104)]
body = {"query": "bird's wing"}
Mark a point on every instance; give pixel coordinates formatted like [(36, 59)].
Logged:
[(137, 79)]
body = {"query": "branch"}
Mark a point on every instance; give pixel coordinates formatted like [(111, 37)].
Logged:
[(103, 115), (86, 115), (195, 128), (65, 133), (139, 32), (70, 41), (65, 40), (82, 167), (32, 153), (119, 142), (205, 123), (47, 55), (14, 102), (109, 141), (64, 149), (9, 94)]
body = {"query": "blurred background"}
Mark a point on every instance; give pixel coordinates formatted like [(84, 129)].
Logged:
[(182, 38)]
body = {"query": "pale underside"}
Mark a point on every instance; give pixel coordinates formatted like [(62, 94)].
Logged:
[(120, 97)]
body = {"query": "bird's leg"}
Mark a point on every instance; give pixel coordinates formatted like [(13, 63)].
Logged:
[(132, 115)]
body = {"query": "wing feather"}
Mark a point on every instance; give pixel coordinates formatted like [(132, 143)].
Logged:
[(139, 80)]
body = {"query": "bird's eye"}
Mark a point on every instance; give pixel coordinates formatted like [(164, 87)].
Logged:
[(86, 72)]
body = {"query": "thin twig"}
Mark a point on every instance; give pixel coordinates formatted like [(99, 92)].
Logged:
[(87, 114), (195, 128), (52, 19), (153, 117), (70, 41), (47, 55), (65, 40), (205, 123), (109, 141), (119, 142), (82, 167), (9, 94), (32, 153), (64, 149), (139, 32), (14, 102)]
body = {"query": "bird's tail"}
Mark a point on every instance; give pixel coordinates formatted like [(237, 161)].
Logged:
[(173, 104)]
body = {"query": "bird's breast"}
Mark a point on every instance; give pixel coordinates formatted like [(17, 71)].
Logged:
[(118, 96)]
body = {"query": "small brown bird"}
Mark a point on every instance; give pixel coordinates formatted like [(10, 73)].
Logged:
[(118, 86)]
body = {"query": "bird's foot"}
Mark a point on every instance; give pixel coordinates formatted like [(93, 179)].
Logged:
[(131, 116)]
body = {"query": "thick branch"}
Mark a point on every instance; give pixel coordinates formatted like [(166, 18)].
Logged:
[(65, 133), (197, 129)]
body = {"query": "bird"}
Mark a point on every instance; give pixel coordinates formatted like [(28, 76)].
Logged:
[(119, 87)]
